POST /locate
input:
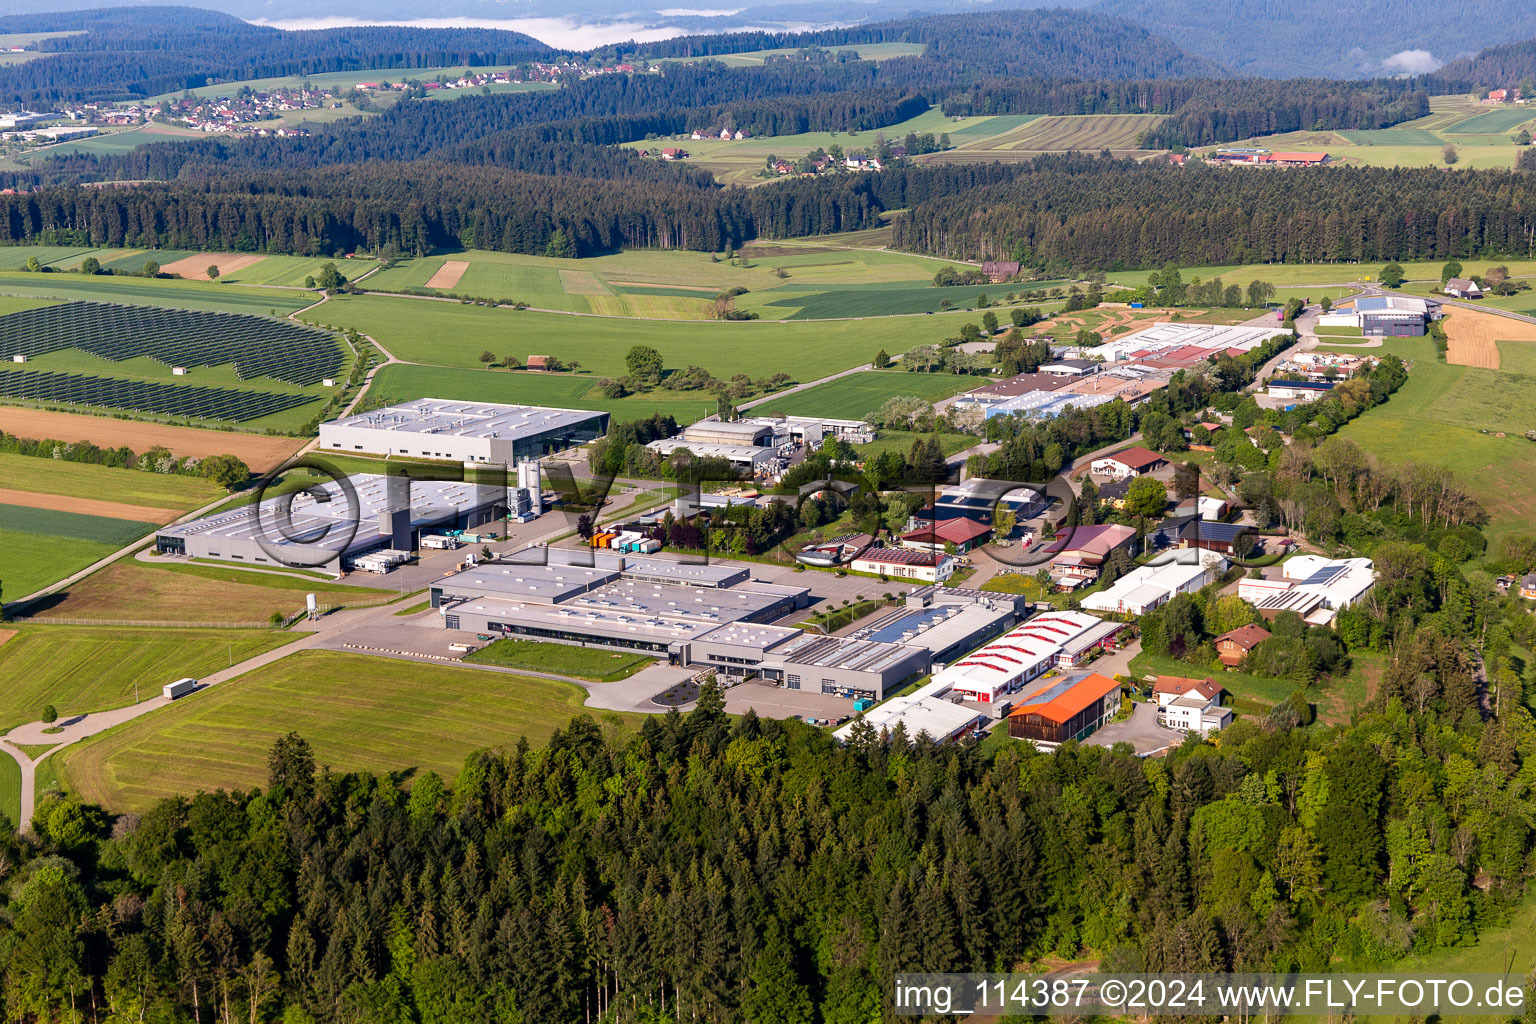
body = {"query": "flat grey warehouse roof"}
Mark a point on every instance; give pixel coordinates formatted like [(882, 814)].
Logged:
[(453, 418), (322, 516)]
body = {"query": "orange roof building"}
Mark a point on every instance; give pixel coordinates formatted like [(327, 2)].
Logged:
[(1068, 710)]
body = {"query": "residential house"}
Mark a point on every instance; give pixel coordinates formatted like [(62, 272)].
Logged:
[(1077, 554), (1528, 587), (998, 271), (1112, 493), (1463, 289), (906, 564), (672, 153), (1191, 705), (1069, 710), (1207, 508), (1131, 462), (1233, 646), (862, 163), (1223, 538)]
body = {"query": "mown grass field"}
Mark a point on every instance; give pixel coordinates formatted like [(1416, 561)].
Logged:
[(34, 560), (448, 334), (401, 383), (358, 713), (129, 590), (561, 659), (1438, 417), (10, 790), (140, 291), (83, 480), (1495, 121), (858, 394), (112, 143), (901, 441), (79, 669), (872, 300)]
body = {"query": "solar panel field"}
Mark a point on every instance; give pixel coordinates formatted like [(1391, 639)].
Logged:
[(258, 346), (183, 401)]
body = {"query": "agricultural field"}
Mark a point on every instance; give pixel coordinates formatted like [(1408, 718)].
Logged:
[(261, 452), (858, 394), (401, 382), (135, 591), (140, 291), (1482, 137), (80, 669), (1477, 338), (680, 285), (359, 713), (79, 480), (808, 302), (455, 335), (111, 143), (1452, 416), (738, 161), (1015, 138), (561, 659)]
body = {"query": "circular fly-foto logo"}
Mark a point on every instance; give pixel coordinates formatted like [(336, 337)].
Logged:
[(325, 536)]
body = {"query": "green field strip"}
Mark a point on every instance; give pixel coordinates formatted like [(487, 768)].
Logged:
[(34, 560), (359, 713), (46, 522), (1492, 122), (1393, 137), (168, 293), (859, 394), (104, 483)]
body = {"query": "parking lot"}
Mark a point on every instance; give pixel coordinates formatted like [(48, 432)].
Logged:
[(1141, 731), (772, 702)]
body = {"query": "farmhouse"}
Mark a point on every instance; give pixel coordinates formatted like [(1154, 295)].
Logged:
[(1070, 710), (326, 527), (1295, 160), (674, 154), (1233, 646), (1191, 705), (998, 271), (438, 428), (1463, 289), (906, 563), (1131, 462)]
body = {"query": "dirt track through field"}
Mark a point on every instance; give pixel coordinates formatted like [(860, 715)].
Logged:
[(195, 268), (448, 274), (1473, 336), (260, 452), (88, 506), (675, 287)]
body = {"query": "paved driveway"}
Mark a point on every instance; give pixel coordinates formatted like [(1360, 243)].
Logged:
[(1140, 731)]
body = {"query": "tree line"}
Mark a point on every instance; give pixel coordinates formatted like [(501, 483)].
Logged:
[(1079, 211), (549, 885)]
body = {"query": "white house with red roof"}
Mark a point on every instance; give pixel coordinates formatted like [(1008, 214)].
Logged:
[(907, 564), (1193, 705), (1131, 462)]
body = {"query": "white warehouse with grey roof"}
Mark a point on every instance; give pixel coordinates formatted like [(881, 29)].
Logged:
[(439, 428)]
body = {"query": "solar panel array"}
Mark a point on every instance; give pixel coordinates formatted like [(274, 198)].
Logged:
[(258, 346), (192, 401)]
